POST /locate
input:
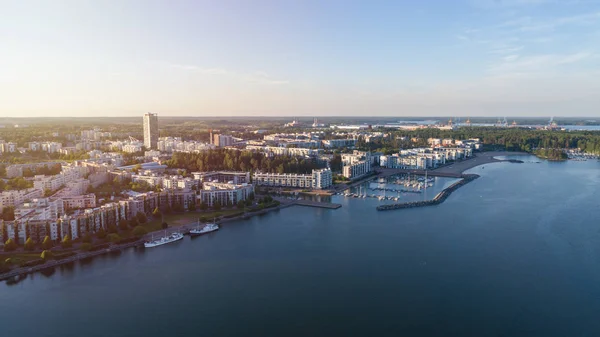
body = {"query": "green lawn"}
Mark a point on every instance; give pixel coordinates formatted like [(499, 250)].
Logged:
[(180, 219), (20, 257)]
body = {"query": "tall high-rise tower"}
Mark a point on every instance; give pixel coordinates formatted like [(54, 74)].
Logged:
[(150, 130)]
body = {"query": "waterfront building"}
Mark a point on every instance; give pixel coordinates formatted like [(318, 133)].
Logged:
[(150, 130), (223, 177), (286, 151), (356, 164), (318, 179), (336, 143), (322, 178), (224, 193)]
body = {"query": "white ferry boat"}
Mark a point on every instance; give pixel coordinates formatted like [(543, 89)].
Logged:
[(211, 227), (164, 240)]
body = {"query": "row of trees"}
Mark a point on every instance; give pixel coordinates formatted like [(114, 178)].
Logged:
[(234, 160), (511, 139), (18, 183)]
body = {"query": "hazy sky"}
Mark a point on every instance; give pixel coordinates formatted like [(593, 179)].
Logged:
[(250, 57)]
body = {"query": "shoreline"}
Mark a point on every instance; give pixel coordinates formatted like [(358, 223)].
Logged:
[(456, 170), (184, 229), (448, 170)]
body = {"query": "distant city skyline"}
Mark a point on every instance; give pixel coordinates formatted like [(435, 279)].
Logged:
[(495, 58)]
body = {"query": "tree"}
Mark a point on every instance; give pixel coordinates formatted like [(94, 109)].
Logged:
[(87, 238), (203, 206), (156, 213), (10, 245), (168, 209), (46, 255), (113, 229), (47, 243), (240, 204), (123, 224), (133, 222), (86, 246), (114, 238), (192, 207), (101, 233), (141, 217), (66, 242), (47, 192), (139, 231), (8, 213), (217, 206), (29, 244)]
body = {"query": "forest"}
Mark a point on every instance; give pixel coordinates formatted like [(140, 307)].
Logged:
[(234, 160), (510, 139)]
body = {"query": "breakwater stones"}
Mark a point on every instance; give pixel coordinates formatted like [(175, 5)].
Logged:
[(438, 199)]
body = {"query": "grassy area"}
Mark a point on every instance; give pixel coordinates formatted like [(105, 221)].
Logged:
[(19, 257), (180, 219)]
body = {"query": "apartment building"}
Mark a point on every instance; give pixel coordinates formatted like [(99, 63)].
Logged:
[(318, 179), (286, 151), (356, 164), (335, 143), (224, 193), (223, 177)]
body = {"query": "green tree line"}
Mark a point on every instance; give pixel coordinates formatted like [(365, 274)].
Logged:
[(234, 160)]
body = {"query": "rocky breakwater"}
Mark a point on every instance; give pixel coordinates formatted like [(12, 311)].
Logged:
[(438, 199)]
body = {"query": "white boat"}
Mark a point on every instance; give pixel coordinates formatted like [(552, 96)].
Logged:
[(211, 227), (164, 240)]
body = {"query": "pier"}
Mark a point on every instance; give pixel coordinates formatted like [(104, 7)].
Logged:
[(438, 199)]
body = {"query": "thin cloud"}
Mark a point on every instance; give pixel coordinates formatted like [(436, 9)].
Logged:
[(259, 77), (536, 63)]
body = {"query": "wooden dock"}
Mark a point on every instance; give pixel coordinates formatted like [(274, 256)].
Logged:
[(318, 204)]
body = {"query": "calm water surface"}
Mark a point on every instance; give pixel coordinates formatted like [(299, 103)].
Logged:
[(514, 253)]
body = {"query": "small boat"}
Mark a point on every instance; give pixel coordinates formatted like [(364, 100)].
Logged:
[(164, 240), (211, 227)]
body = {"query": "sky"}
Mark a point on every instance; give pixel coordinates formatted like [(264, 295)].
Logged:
[(300, 58)]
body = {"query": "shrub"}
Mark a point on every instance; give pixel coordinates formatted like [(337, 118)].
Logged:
[(87, 238), (101, 234), (86, 246), (47, 243), (112, 229), (10, 245), (123, 225), (141, 218), (139, 231), (66, 242), (46, 254), (114, 237), (29, 245)]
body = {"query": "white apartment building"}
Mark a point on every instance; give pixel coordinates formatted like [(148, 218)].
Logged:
[(16, 198), (131, 148), (286, 151), (223, 177), (224, 193), (322, 178), (356, 164), (178, 182), (318, 179), (335, 143)]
